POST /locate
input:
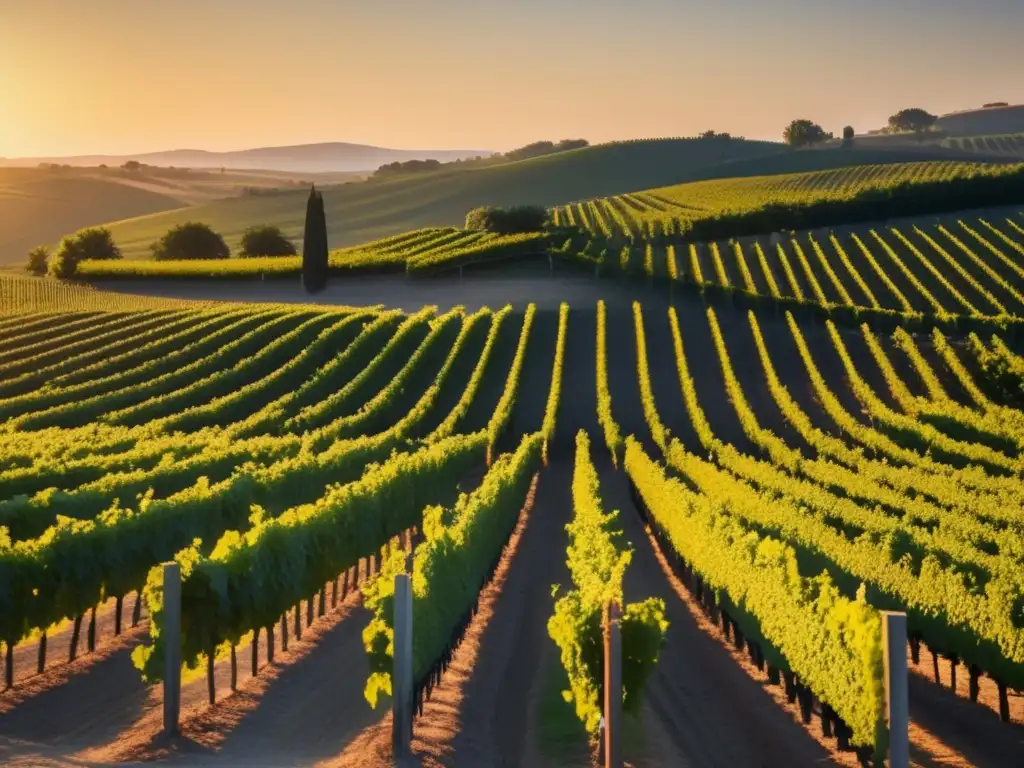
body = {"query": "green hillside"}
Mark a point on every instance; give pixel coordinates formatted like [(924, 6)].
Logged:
[(834, 157), (653, 211), (357, 213), (38, 208)]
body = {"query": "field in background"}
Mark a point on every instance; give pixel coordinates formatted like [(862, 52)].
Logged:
[(39, 206), (359, 213), (653, 211)]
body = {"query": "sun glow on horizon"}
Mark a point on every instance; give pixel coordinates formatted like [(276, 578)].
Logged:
[(122, 78)]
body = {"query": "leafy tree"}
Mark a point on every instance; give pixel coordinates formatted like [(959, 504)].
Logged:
[(540, 148), (409, 166), (93, 244), (914, 119), (314, 244), (507, 221), (37, 259), (132, 165), (191, 240), (266, 240), (848, 136), (804, 133)]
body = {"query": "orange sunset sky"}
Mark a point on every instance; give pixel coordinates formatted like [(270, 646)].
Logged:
[(122, 76)]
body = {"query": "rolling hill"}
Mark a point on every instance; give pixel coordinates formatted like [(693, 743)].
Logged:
[(302, 158), (357, 213), (39, 208), (981, 122)]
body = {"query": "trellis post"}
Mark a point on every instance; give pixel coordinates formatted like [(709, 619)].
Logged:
[(897, 697), (171, 632), (401, 733), (613, 686)]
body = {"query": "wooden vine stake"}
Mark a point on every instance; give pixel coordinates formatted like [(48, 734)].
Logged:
[(401, 677), (613, 685), (171, 632), (897, 697)]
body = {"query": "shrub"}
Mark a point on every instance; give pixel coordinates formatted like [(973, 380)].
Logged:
[(507, 221), (191, 240), (913, 119), (266, 240), (93, 244), (804, 133), (37, 259)]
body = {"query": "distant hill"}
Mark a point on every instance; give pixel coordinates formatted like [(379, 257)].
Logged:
[(302, 158), (357, 213), (986, 121), (37, 208)]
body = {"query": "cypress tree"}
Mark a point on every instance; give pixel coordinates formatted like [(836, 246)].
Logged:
[(314, 244)]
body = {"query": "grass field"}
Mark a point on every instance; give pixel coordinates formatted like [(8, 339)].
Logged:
[(363, 212), (870, 470), (39, 206)]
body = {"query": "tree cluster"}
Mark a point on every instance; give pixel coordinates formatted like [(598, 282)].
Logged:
[(93, 244), (409, 166), (38, 258), (913, 119), (541, 148), (266, 240), (714, 136), (507, 221), (314, 244), (192, 240), (805, 133)]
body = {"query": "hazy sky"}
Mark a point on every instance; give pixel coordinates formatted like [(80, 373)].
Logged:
[(85, 76)]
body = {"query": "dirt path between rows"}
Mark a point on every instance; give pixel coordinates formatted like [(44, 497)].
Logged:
[(298, 711), (700, 707), (480, 714)]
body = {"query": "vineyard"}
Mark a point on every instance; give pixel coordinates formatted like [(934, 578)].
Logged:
[(1004, 144), (754, 487), (420, 252), (663, 211), (951, 270)]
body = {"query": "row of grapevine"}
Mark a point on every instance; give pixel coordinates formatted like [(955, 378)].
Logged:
[(612, 434), (249, 580), (503, 411), (460, 552), (555, 390), (800, 624), (597, 560), (903, 278), (956, 539)]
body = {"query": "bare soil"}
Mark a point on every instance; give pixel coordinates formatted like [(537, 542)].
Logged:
[(702, 703)]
